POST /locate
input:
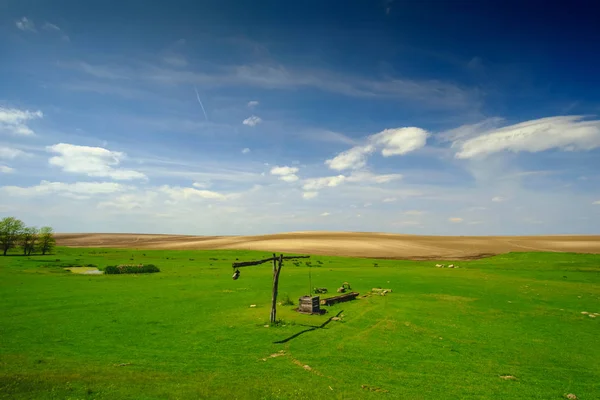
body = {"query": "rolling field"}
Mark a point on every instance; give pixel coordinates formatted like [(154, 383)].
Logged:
[(353, 244), (506, 327)]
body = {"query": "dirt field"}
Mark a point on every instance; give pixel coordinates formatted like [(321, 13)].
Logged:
[(376, 245)]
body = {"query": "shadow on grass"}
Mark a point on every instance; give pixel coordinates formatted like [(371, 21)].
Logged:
[(312, 328)]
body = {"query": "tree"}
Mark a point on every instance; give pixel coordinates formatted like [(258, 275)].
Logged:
[(46, 239), (11, 230), (29, 238)]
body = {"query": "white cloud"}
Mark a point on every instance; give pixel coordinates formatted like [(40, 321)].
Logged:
[(354, 158), (285, 170), (309, 195), (14, 121), (25, 24), (399, 141), (596, 203), (245, 151), (498, 199), (91, 161), (391, 142), (415, 212), (285, 173), (253, 103), (9, 153), (389, 199), (77, 190), (178, 193), (252, 121), (6, 170), (455, 219), (325, 214), (289, 178), (320, 183), (475, 222), (569, 133)]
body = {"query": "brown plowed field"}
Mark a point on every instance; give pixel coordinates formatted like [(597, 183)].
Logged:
[(375, 245)]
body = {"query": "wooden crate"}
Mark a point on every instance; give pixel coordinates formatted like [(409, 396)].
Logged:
[(309, 305)]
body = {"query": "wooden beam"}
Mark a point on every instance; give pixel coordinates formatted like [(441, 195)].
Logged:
[(294, 257), (250, 263), (258, 262)]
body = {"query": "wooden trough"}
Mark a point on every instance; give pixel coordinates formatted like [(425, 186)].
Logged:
[(339, 299)]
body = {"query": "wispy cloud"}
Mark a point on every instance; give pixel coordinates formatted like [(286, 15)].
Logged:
[(9, 153), (14, 121), (102, 71), (49, 27), (431, 94), (253, 103), (81, 189), (569, 133), (498, 199), (4, 169), (455, 219), (179, 193), (245, 150), (175, 60), (25, 24)]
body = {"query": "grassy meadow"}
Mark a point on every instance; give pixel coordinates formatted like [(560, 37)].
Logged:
[(188, 332)]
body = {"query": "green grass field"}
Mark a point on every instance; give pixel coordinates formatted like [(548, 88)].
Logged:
[(189, 332)]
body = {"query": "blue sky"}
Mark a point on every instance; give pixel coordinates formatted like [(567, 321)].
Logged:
[(220, 117)]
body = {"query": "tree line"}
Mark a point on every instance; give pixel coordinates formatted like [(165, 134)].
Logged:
[(14, 233)]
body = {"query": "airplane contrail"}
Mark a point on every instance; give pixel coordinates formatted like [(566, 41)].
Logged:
[(200, 101)]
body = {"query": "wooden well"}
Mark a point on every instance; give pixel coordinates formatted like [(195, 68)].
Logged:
[(309, 305)]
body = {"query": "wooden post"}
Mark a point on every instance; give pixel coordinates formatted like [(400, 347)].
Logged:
[(274, 294), (276, 272)]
